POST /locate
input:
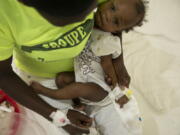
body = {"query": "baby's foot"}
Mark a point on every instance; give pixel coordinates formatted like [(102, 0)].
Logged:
[(122, 101)]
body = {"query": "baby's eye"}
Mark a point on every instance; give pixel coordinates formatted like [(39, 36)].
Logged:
[(113, 8)]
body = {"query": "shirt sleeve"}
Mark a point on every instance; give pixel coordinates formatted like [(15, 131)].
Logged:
[(6, 43), (104, 43)]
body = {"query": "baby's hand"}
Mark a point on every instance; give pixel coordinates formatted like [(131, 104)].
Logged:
[(111, 80), (121, 72), (109, 71)]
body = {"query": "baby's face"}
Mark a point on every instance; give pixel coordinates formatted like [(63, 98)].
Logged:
[(116, 15)]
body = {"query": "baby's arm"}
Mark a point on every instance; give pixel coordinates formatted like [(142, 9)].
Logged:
[(121, 72), (110, 74), (89, 91), (113, 69)]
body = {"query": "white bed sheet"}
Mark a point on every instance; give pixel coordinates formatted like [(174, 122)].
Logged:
[(155, 75)]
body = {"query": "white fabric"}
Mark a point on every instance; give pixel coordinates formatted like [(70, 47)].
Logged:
[(104, 43), (47, 127), (111, 120), (117, 93), (154, 72)]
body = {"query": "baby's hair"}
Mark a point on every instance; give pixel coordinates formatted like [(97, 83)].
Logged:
[(140, 6)]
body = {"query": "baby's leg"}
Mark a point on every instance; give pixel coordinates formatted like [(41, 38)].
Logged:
[(89, 91), (64, 78)]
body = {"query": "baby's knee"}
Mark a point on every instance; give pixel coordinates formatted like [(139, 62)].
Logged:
[(64, 78), (95, 92)]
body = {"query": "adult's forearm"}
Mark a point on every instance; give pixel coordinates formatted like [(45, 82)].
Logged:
[(23, 94)]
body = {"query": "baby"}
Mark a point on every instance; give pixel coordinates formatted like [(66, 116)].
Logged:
[(95, 66), (96, 71)]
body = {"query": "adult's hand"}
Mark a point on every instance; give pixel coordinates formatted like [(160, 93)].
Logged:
[(79, 119), (80, 122)]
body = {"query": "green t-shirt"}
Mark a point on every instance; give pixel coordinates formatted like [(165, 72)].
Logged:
[(37, 46)]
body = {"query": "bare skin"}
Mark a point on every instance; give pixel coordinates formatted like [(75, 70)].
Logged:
[(109, 70), (89, 91), (115, 71), (121, 72)]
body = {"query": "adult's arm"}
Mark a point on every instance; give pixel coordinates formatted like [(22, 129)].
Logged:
[(17, 89), (22, 93)]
